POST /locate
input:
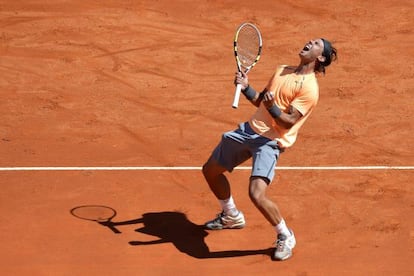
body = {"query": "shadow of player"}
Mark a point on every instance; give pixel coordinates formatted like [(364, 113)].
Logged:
[(187, 237)]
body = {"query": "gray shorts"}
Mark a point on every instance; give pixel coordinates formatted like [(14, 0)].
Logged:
[(239, 145)]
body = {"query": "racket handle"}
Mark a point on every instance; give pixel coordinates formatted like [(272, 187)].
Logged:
[(110, 225), (237, 96)]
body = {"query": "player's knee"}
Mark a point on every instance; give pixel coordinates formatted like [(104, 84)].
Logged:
[(205, 169), (212, 169), (257, 198), (257, 190), (208, 169)]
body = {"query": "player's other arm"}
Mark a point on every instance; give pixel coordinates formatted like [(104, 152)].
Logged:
[(283, 119)]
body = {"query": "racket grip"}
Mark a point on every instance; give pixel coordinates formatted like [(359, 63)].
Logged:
[(237, 96)]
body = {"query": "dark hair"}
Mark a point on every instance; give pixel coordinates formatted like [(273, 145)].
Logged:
[(330, 54)]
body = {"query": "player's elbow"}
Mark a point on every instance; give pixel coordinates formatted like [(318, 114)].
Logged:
[(287, 124), (287, 121)]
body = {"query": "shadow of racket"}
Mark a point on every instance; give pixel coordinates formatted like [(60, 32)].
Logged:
[(97, 213)]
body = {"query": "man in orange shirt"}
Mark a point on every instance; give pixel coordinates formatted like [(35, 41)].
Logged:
[(283, 107)]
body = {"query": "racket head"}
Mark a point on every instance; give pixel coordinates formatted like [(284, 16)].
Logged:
[(98, 213), (247, 46)]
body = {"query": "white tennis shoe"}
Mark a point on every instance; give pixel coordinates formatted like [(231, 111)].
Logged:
[(284, 246), (223, 221)]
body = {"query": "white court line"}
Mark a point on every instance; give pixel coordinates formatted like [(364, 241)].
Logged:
[(316, 168)]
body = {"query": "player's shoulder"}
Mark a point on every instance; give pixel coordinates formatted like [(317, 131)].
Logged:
[(285, 69)]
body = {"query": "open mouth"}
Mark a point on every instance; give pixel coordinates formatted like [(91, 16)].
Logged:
[(307, 47)]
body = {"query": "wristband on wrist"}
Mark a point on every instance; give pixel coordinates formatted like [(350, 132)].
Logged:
[(275, 111), (249, 92)]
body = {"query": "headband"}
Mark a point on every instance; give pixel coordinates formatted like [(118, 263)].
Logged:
[(327, 51)]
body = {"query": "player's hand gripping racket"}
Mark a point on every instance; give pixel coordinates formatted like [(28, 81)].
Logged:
[(247, 50)]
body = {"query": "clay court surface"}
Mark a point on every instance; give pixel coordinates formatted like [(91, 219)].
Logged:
[(150, 83)]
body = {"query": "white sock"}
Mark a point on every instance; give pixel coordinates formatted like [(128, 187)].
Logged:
[(281, 228), (229, 207)]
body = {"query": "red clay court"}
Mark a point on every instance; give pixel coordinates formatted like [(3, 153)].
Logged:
[(139, 84)]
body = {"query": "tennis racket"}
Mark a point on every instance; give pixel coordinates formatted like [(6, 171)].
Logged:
[(98, 213), (247, 50)]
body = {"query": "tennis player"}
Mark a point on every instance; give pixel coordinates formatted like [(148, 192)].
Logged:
[(282, 108)]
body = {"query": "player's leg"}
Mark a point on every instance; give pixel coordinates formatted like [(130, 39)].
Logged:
[(230, 216), (230, 152), (285, 238), (214, 174), (257, 193), (264, 162)]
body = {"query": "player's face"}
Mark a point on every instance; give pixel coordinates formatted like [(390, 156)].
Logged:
[(312, 50)]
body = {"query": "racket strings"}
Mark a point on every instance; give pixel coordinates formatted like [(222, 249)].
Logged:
[(248, 46)]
